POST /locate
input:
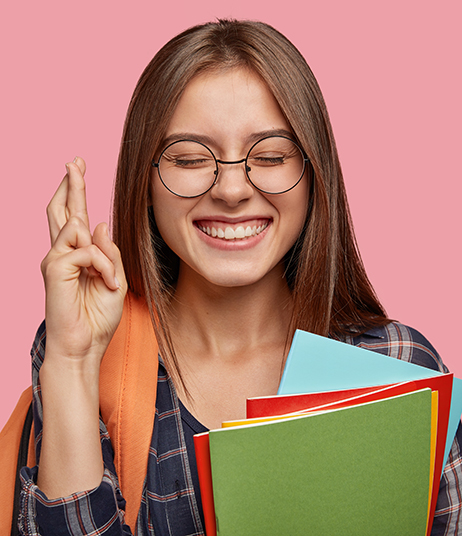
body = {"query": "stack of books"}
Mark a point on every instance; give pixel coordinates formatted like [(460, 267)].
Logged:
[(353, 444)]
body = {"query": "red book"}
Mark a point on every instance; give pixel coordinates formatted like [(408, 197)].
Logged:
[(265, 406), (204, 471)]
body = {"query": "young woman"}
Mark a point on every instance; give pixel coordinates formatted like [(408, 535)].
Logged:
[(231, 225)]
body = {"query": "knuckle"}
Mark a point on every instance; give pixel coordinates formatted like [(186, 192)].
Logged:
[(96, 255), (50, 268), (50, 210), (74, 222), (93, 249), (44, 265)]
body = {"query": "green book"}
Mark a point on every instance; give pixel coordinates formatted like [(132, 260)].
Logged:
[(356, 471)]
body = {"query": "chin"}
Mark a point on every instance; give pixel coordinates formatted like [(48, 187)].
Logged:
[(229, 280), (231, 274), (240, 278), (235, 283)]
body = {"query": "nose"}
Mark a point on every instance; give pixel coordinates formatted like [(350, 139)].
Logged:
[(232, 185)]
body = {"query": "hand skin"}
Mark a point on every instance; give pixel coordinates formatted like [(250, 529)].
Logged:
[(85, 290)]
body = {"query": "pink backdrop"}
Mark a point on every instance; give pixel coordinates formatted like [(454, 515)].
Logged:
[(391, 76)]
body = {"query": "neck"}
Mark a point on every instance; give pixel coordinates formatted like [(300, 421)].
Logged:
[(223, 322)]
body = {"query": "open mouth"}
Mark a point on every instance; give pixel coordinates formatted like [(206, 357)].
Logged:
[(224, 231)]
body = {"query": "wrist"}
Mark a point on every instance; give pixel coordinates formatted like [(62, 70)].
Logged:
[(63, 376), (71, 361)]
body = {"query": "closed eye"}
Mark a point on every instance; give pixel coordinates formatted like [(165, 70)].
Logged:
[(267, 160), (188, 162)]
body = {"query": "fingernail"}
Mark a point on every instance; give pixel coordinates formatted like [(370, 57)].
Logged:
[(67, 168), (75, 160), (117, 282)]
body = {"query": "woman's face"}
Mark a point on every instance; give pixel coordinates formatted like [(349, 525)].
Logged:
[(230, 110)]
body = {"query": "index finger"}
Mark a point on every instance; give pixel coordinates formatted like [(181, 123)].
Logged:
[(57, 211)]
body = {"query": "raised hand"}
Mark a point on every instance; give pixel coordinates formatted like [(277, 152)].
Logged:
[(85, 289), (83, 273)]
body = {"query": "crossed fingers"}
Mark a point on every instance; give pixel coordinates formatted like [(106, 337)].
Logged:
[(70, 233)]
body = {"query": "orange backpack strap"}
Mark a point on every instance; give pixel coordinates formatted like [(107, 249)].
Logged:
[(128, 386), (10, 439)]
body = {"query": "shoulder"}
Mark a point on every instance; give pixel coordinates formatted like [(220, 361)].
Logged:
[(401, 342)]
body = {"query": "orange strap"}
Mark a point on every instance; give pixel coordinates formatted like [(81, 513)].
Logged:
[(128, 385), (10, 438)]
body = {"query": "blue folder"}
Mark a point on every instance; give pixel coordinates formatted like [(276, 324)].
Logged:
[(316, 364)]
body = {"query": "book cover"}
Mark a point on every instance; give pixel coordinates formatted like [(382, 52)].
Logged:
[(360, 470), (441, 385), (262, 406), (318, 363), (204, 472)]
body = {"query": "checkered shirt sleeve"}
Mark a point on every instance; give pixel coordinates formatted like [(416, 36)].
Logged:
[(96, 512)]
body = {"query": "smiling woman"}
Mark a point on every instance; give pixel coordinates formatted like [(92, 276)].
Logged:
[(229, 109), (231, 230)]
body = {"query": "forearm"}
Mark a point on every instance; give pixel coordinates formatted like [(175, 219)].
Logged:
[(71, 459)]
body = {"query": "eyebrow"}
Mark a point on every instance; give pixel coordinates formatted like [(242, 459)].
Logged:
[(206, 140)]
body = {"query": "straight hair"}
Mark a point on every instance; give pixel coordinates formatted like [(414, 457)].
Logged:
[(331, 292)]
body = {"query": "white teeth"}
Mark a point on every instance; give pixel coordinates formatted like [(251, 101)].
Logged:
[(231, 234), (239, 232)]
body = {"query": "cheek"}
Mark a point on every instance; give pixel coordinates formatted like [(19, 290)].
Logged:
[(164, 203), (295, 209), (171, 216)]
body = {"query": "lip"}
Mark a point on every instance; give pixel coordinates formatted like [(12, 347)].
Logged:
[(223, 223), (233, 220), (237, 244)]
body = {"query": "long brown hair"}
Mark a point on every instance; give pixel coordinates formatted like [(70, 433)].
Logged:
[(331, 291)]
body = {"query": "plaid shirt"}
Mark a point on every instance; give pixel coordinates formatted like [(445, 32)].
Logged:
[(170, 501)]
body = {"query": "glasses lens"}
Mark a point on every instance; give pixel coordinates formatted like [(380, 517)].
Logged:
[(187, 168), (275, 165)]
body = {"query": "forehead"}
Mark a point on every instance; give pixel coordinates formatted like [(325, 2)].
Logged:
[(226, 105)]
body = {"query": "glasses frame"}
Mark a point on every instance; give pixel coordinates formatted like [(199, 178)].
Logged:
[(306, 160)]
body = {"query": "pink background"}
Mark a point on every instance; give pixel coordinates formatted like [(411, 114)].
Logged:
[(390, 73)]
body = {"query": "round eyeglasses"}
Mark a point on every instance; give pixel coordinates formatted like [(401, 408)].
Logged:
[(273, 165)]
